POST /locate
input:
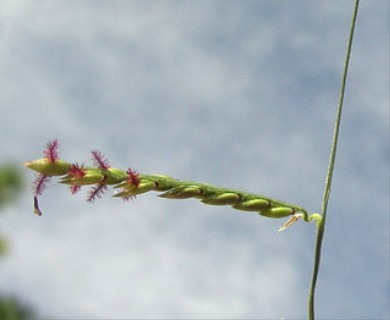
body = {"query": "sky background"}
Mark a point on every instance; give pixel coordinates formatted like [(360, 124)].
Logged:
[(240, 94)]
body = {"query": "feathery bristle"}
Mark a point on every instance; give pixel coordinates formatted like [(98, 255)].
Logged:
[(51, 151), (99, 160)]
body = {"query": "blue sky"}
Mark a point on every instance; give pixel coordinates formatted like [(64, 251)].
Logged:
[(240, 94)]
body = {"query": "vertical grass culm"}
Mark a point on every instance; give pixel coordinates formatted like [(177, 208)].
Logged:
[(329, 177)]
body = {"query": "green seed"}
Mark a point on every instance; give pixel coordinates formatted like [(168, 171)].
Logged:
[(182, 193), (228, 198), (253, 205), (278, 212)]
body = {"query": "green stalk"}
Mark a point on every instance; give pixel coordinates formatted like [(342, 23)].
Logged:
[(329, 177)]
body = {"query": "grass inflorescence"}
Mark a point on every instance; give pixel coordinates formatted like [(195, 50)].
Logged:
[(128, 184)]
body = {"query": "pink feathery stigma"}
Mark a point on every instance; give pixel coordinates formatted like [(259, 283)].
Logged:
[(40, 184), (77, 171), (99, 160), (51, 151), (133, 177), (96, 192), (74, 189)]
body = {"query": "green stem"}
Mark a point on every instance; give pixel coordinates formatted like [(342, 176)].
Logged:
[(329, 177)]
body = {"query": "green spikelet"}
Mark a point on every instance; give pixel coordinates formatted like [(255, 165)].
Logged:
[(182, 192), (253, 205), (50, 169), (278, 212), (227, 198)]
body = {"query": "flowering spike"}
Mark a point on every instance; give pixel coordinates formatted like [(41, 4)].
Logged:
[(51, 151), (99, 160), (131, 183)]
